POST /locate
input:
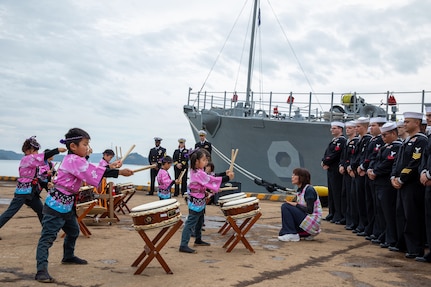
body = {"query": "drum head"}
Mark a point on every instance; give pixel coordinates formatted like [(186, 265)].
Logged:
[(240, 202), (232, 196), (153, 205)]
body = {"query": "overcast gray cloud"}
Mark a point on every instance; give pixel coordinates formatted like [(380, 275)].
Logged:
[(121, 69)]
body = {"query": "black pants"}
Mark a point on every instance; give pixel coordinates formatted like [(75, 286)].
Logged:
[(153, 174), (177, 172)]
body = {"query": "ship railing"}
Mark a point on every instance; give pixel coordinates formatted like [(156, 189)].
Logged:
[(311, 106)]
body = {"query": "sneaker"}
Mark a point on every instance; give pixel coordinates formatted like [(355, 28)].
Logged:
[(289, 237), (187, 249), (201, 243), (43, 276), (74, 260), (309, 238)]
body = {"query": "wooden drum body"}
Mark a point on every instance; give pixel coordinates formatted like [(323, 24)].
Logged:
[(241, 208), (156, 214), (85, 195), (230, 197), (124, 187)]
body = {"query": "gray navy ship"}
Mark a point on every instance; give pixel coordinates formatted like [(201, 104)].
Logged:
[(277, 132)]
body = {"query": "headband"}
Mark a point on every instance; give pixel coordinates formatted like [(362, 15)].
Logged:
[(70, 139), (33, 142)]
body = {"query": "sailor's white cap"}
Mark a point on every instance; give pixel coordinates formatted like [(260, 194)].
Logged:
[(428, 109), (181, 140), (350, 124), (413, 115), (377, 120), (337, 124), (362, 120), (400, 123), (202, 133), (388, 127), (158, 139)]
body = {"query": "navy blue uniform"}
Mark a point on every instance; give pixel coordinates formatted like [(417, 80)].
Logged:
[(386, 194), (180, 157), (410, 201), (331, 158), (154, 157)]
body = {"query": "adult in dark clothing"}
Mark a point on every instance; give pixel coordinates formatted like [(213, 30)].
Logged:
[(359, 175), (330, 163), (347, 194), (379, 172), (372, 230), (203, 142), (180, 164), (425, 179), (405, 178), (154, 157)]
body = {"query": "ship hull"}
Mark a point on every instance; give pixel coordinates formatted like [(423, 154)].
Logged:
[(269, 149)]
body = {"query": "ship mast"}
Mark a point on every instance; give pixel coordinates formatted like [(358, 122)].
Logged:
[(250, 57)]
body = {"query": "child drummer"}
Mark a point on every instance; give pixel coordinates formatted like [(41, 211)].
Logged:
[(58, 211), (164, 179), (200, 181)]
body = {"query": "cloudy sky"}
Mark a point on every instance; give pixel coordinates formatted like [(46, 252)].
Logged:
[(121, 70)]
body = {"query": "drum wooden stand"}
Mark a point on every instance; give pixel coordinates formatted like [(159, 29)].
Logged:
[(128, 190), (88, 206), (240, 232), (153, 247)]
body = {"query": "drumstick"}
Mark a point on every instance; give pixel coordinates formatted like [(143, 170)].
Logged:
[(234, 154), (121, 152), (127, 154), (145, 167), (228, 188), (116, 153), (180, 177)]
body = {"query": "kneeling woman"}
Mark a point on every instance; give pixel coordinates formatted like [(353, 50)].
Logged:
[(301, 218)]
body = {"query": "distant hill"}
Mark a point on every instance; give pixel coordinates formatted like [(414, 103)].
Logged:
[(133, 158)]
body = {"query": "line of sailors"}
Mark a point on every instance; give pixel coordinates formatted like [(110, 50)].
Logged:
[(379, 181)]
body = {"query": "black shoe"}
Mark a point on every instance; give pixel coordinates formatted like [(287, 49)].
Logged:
[(413, 255), (394, 248), (74, 260), (422, 259), (187, 249), (201, 243), (370, 237), (361, 233), (376, 241), (328, 217), (43, 276), (348, 227), (385, 245), (341, 221)]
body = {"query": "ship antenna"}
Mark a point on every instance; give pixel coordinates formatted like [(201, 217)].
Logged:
[(250, 56)]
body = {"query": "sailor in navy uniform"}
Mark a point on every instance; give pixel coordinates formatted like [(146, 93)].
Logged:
[(180, 163), (203, 143), (426, 181), (355, 171), (348, 202), (379, 171), (411, 193), (154, 157), (330, 163), (373, 230)]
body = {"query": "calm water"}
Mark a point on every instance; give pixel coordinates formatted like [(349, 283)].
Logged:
[(10, 168)]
